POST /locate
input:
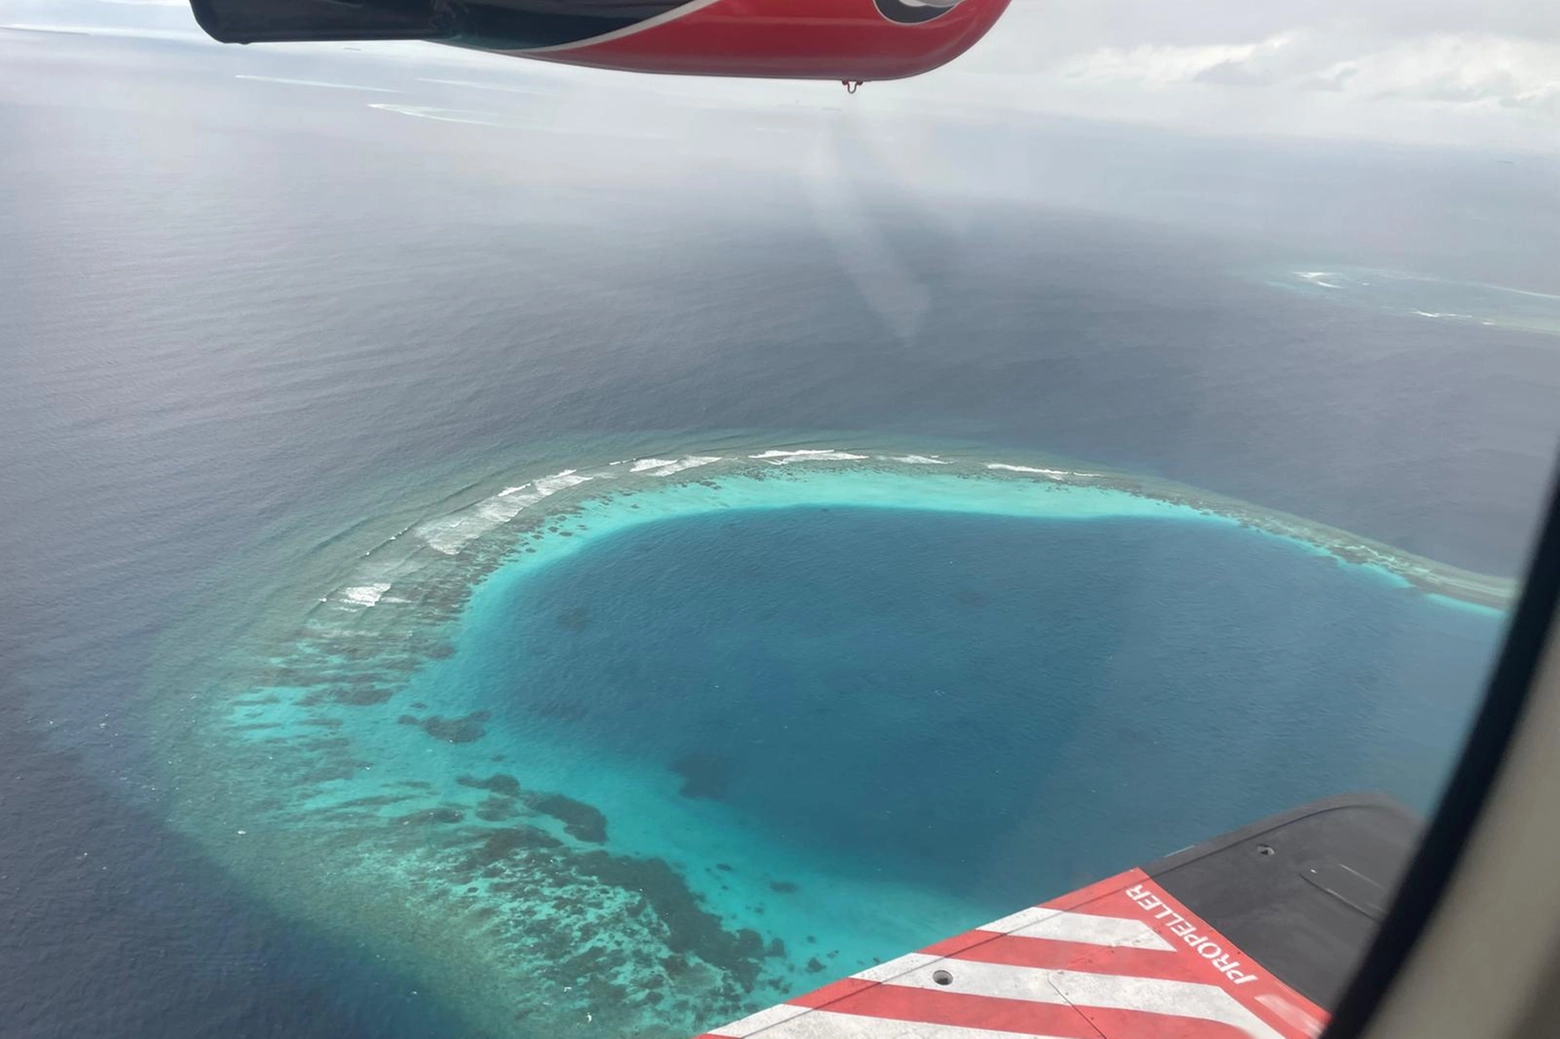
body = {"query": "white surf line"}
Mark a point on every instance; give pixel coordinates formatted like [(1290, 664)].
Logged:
[(914, 459), (1054, 474), (449, 534), (316, 83), (1318, 278), (777, 457), (508, 503), (666, 466)]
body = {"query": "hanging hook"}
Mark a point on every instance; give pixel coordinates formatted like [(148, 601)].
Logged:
[(851, 85)]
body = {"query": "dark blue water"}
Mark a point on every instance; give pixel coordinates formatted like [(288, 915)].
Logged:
[(1006, 706), (237, 319), (110, 925)]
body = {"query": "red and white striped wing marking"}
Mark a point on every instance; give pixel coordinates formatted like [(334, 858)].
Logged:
[(1119, 959)]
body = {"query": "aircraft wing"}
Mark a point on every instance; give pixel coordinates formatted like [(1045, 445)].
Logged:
[(1252, 935)]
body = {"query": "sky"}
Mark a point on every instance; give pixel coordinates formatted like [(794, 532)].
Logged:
[(1446, 71), (1480, 74)]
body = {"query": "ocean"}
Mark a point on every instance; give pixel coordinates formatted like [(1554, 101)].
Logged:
[(350, 688)]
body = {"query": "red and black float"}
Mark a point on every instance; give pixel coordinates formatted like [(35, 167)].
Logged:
[(849, 40)]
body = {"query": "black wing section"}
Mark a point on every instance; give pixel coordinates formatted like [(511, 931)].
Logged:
[(507, 24), (1303, 891)]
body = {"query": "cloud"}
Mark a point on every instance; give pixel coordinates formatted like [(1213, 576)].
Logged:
[(1164, 64), (1477, 71)]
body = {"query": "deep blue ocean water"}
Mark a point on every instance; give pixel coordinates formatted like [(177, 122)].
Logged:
[(248, 332)]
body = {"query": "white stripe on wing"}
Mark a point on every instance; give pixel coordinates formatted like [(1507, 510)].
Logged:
[(1062, 926)]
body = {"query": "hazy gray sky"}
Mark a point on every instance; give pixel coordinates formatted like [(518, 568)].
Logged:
[(1473, 73)]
